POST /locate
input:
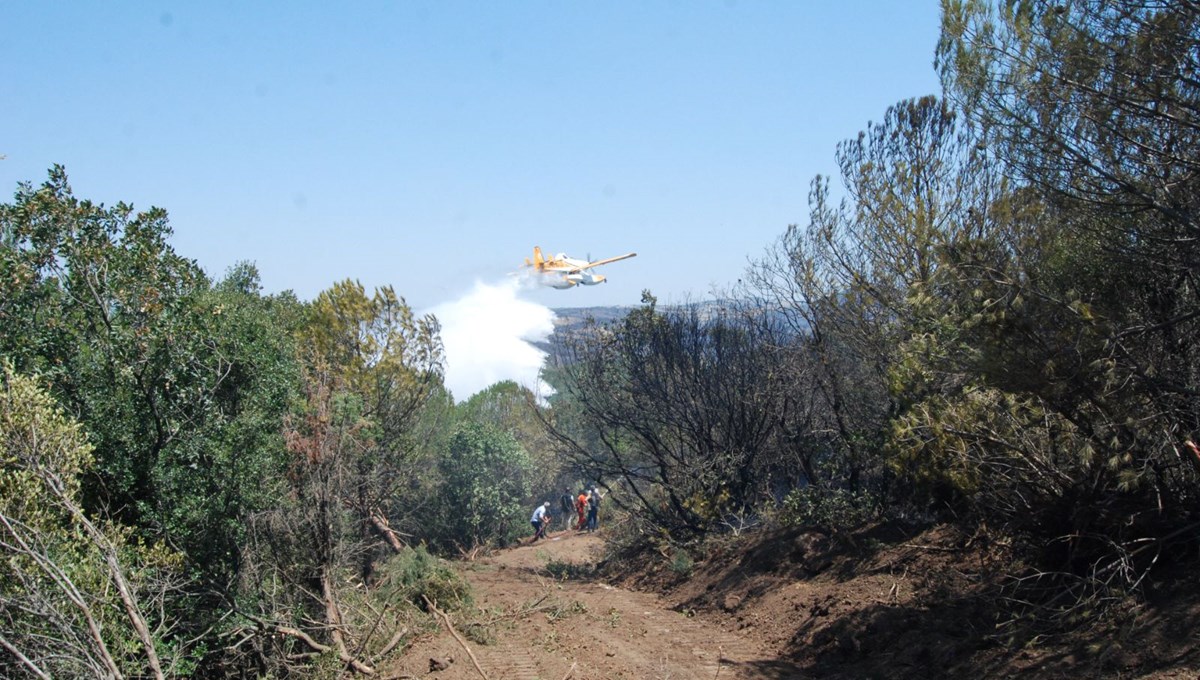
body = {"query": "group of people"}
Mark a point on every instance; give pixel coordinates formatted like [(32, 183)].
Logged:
[(580, 512)]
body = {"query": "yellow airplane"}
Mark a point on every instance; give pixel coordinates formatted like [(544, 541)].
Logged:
[(563, 272)]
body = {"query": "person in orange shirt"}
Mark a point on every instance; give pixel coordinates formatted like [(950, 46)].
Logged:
[(581, 506)]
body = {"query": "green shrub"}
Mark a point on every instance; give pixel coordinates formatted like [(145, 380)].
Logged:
[(565, 571), (682, 563), (484, 478), (832, 509), (415, 575)]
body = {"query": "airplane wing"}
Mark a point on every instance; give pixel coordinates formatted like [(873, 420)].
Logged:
[(606, 260)]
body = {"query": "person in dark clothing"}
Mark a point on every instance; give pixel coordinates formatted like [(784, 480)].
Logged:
[(593, 512), (567, 503)]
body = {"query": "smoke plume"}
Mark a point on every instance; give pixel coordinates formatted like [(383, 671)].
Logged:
[(487, 335)]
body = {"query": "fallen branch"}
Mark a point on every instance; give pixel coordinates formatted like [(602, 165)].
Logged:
[(312, 644), (930, 547), (317, 646), (570, 670), (393, 642), (333, 614), (25, 661), (379, 521), (1152, 543), (523, 611), (472, 554), (366, 638), (1195, 450), (249, 635), (450, 627)]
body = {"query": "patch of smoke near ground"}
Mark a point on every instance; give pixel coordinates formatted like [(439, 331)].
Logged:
[(488, 335)]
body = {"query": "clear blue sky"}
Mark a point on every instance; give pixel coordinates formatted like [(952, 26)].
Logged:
[(430, 144)]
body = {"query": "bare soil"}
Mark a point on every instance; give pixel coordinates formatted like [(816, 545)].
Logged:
[(790, 604), (539, 622)]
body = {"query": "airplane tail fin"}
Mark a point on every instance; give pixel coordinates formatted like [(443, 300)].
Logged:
[(538, 259)]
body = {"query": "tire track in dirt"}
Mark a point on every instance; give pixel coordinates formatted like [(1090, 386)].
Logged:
[(509, 660)]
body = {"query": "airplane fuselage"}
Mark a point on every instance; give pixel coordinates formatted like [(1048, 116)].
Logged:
[(564, 272), (563, 280)]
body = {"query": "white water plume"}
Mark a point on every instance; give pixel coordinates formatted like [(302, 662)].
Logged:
[(487, 335)]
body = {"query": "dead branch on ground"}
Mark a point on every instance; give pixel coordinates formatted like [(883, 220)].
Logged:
[(312, 644), (450, 627)]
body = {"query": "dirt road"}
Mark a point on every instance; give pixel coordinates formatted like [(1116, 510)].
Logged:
[(538, 622)]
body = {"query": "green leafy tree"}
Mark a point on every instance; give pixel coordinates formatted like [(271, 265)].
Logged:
[(1090, 101), (1092, 104), (180, 386), (376, 351), (854, 287), (377, 347), (80, 597), (510, 408), (370, 368), (484, 482)]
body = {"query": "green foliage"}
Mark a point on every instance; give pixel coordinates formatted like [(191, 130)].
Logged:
[(1064, 381), (504, 406), (565, 571), (355, 459), (682, 563), (37, 437), (180, 386), (997, 321), (414, 576), (234, 465), (511, 408), (829, 509), (561, 612), (75, 590), (375, 351), (376, 347), (484, 482)]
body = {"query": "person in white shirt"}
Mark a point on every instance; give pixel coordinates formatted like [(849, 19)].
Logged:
[(540, 520)]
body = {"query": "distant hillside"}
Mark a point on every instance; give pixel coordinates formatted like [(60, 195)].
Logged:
[(572, 317), (570, 320)]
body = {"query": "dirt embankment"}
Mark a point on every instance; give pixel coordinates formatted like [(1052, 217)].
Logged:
[(896, 603), (789, 604)]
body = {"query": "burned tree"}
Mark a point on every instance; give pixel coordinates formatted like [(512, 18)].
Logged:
[(675, 407)]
